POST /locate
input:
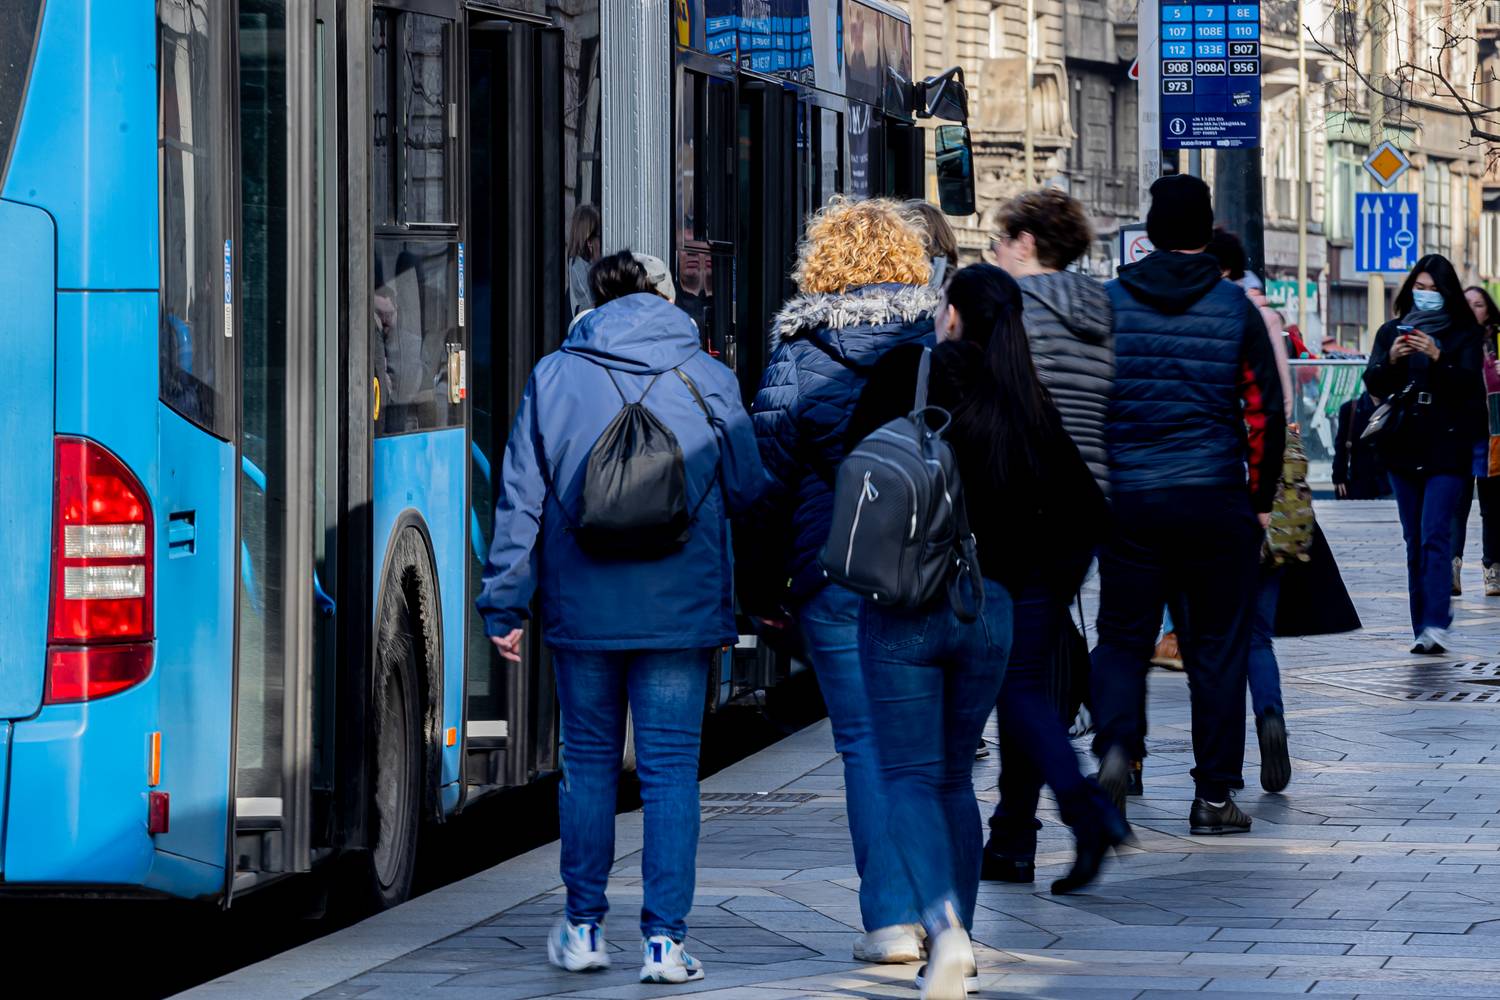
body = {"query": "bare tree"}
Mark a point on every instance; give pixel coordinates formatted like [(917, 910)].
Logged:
[(1438, 59)]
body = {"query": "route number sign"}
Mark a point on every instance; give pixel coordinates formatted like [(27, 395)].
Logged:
[(1210, 75)]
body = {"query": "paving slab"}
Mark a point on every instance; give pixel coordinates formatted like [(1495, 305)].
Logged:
[(1377, 873)]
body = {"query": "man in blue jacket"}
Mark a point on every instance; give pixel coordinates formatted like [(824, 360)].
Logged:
[(1195, 438), (624, 630)]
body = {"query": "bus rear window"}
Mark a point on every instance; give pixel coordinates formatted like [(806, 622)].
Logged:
[(19, 20)]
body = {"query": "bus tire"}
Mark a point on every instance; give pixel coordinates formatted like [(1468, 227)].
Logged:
[(396, 793)]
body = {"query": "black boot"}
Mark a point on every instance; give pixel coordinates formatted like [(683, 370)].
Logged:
[(1010, 853), (1207, 820), (1008, 868), (1095, 840), (1137, 779), (1275, 759), (1114, 777)]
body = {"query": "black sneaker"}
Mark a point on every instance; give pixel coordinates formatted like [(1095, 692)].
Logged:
[(1114, 777), (1275, 760), (1207, 820), (1008, 868)]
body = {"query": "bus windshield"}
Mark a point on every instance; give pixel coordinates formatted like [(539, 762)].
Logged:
[(18, 26)]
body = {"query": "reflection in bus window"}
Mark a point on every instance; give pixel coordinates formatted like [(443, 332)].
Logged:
[(194, 345), (424, 109), (382, 103), (412, 328)]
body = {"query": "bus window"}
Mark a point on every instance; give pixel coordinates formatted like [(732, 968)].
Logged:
[(413, 328), (382, 128), (829, 140), (424, 120), (196, 253), (21, 20)]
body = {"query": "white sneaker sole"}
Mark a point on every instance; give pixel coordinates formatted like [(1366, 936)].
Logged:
[(663, 976)]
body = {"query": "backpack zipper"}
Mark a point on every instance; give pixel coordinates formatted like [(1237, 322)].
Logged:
[(866, 492), (911, 487)]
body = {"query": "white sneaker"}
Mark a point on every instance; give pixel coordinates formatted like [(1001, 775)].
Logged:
[(950, 972), (892, 945), (577, 947), (665, 961), (1432, 641)]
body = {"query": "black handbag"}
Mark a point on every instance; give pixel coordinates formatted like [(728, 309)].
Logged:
[(1071, 667), (1388, 415)]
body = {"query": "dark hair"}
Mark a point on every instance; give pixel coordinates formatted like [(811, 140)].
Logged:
[(616, 275), (1009, 412), (1440, 269), (937, 233), (1056, 221), (583, 229), (1227, 249), (1490, 309)]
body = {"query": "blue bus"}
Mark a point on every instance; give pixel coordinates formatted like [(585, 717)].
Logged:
[(274, 275)]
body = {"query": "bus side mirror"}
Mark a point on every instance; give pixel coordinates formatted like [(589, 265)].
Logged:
[(944, 96), (955, 170)]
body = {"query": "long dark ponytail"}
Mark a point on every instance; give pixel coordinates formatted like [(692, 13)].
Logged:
[(1006, 413)]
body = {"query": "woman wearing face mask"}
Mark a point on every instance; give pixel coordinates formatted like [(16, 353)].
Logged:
[(932, 679), (1427, 362), (1487, 315)]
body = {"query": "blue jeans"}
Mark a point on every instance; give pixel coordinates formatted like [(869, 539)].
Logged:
[(1265, 675), (666, 691), (1426, 505), (932, 682), (1034, 745), (830, 625)]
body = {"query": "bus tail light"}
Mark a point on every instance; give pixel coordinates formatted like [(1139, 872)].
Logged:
[(102, 615)]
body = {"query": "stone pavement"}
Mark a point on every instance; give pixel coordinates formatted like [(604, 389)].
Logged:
[(1375, 875)]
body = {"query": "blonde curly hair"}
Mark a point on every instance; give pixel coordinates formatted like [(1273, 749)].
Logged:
[(867, 242)]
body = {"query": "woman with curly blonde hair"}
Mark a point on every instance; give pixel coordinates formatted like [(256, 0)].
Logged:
[(863, 272)]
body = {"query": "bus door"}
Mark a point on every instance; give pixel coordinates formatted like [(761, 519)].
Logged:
[(519, 309), (280, 286)]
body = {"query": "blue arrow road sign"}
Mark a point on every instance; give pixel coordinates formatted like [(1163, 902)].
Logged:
[(1385, 232)]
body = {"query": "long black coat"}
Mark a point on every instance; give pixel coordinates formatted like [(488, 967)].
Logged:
[(1313, 598), (1436, 436)]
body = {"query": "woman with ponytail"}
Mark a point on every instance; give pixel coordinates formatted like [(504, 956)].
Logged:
[(1036, 513)]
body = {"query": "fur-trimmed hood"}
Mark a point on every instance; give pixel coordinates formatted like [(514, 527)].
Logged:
[(855, 323)]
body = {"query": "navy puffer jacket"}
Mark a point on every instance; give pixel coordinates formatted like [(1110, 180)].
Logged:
[(823, 347), (1197, 396)]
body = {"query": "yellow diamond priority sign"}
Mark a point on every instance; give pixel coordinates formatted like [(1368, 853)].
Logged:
[(1387, 163)]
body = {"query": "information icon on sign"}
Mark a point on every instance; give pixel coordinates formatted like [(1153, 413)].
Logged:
[(1178, 126)]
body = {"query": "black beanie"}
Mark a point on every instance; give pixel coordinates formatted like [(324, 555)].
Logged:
[(1182, 213)]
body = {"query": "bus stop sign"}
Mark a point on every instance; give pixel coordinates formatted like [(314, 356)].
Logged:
[(1385, 232), (1210, 75)]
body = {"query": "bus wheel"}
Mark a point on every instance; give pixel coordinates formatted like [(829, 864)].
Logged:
[(396, 795)]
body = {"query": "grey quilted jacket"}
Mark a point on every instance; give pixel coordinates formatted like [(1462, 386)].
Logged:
[(1069, 324), (822, 350)]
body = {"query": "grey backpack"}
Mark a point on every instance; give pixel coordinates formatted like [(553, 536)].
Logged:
[(900, 535)]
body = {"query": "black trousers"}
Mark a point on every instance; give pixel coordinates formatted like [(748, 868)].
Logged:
[(1489, 518), (1198, 548)]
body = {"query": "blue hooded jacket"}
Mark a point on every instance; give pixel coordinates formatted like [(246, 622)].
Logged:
[(823, 349), (683, 600)]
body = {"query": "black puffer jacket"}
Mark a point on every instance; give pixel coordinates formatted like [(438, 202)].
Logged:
[(1444, 417), (1067, 317)]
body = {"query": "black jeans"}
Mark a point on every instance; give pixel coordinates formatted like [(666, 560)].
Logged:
[(1489, 519), (1034, 745), (1199, 548)]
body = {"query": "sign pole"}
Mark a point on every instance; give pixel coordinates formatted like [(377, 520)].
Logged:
[(1375, 294), (1148, 101), (1302, 174)]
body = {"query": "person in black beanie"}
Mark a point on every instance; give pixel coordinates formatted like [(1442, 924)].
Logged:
[(1195, 437)]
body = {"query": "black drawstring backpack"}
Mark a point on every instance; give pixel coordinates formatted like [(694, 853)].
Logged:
[(634, 503)]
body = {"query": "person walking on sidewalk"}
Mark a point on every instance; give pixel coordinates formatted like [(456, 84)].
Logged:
[(1197, 405), (863, 272), (1066, 317), (1358, 473), (1487, 315), (1427, 363), (627, 627), (1263, 670), (932, 677)]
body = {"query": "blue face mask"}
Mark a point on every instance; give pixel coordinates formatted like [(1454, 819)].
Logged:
[(1426, 299)]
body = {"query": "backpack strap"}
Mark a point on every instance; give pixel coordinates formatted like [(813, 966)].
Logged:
[(649, 386), (713, 428), (924, 374)]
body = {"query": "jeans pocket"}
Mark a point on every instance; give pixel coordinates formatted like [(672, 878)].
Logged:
[(894, 629)]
